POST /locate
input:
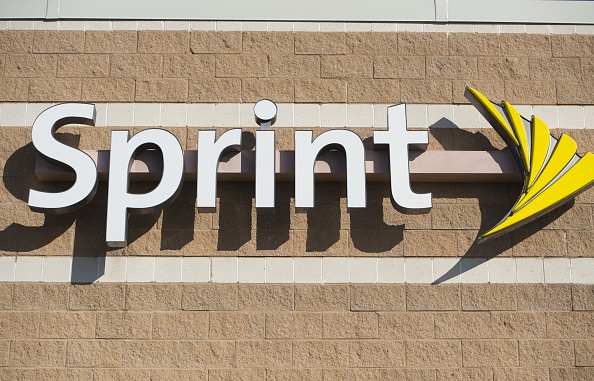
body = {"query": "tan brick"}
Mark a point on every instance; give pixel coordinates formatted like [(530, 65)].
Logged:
[(521, 374), (463, 325), (407, 374), (399, 67), (379, 242), (406, 325), (4, 357), (136, 65), (546, 297), (19, 325), (278, 90), (36, 296), (587, 69), (79, 65), (569, 45), (570, 325), (69, 41), (346, 66), (153, 297), (530, 92), (488, 297), (180, 325), (108, 90), (237, 374), (14, 90), (241, 66), (423, 44), (518, 325), (317, 243), (152, 41), (121, 374), (373, 91), (473, 44), (432, 353), (327, 354), (215, 42), (178, 375), (123, 325), (294, 374), (209, 297), (161, 90), (573, 92), (269, 353), (582, 297), (37, 353), (357, 325), (555, 68), (432, 297), (525, 45), (451, 68), (551, 353), (548, 243), (350, 374), (293, 66), (569, 217), (207, 354), (21, 374), (214, 90), (97, 297), (321, 297), (491, 89), (371, 43), (455, 216), (486, 353), (188, 66), (67, 325), (6, 296), (121, 41), (236, 325), (572, 374), (266, 297), (149, 354), (433, 243), (55, 90), (64, 375), (94, 353), (584, 353), (320, 43), (267, 42), (297, 325), (425, 91), (503, 68), (460, 374), (377, 298), (30, 65), (16, 41), (387, 354)]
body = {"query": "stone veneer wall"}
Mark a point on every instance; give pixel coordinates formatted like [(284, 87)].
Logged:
[(218, 331)]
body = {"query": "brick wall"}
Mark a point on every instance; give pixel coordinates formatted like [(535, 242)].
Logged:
[(221, 331)]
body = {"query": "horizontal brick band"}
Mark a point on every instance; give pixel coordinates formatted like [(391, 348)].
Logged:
[(298, 115), (293, 26), (297, 270)]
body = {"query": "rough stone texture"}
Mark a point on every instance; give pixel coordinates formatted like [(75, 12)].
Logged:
[(121, 41)]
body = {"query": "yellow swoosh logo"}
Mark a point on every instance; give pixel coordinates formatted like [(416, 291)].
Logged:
[(552, 170)]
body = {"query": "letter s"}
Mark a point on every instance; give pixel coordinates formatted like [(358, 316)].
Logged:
[(42, 135)]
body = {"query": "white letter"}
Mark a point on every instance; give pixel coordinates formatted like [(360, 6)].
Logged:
[(265, 169), (123, 152), (42, 135), (209, 154), (306, 153), (398, 139)]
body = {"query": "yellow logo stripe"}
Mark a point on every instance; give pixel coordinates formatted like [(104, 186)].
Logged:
[(520, 132), (495, 113), (540, 148)]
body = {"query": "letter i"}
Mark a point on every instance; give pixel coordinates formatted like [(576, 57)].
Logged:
[(265, 114)]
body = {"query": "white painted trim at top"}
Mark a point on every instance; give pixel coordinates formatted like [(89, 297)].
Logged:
[(298, 115), (320, 270), (285, 26), (473, 11)]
